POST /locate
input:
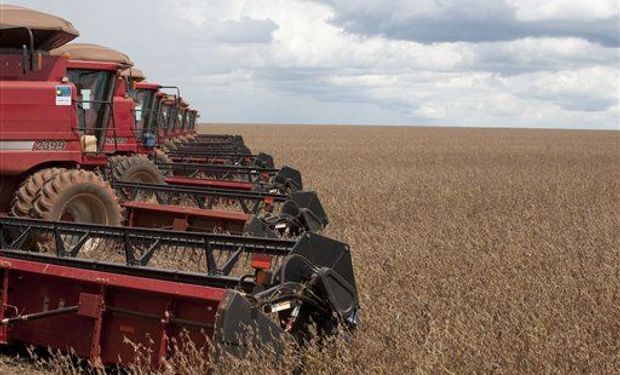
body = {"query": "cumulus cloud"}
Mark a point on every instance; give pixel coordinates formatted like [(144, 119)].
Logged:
[(212, 22), (536, 54), (480, 20), (245, 30), (564, 10), (527, 63)]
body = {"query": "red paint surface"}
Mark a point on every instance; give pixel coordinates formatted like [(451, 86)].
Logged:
[(98, 332)]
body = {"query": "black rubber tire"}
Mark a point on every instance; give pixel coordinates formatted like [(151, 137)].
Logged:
[(78, 196), (161, 157), (83, 195), (135, 168), (28, 190)]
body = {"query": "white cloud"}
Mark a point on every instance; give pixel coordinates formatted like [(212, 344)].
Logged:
[(480, 20), (588, 89), (365, 62), (536, 54), (564, 10)]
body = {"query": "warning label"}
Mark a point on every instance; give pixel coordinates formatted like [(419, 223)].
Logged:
[(63, 95)]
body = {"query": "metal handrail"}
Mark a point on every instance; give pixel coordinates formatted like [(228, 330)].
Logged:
[(104, 128)]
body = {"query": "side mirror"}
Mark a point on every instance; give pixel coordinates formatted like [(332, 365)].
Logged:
[(32, 62), (26, 63)]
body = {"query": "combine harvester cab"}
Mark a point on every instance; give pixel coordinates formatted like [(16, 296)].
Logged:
[(241, 289), (89, 63), (169, 116), (146, 101), (125, 143), (175, 109), (190, 132), (182, 122)]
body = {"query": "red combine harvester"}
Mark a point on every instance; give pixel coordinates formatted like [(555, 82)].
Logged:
[(49, 154)]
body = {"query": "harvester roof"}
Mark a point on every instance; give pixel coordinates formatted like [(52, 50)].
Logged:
[(92, 52), (148, 86), (48, 31), (134, 73), (169, 99)]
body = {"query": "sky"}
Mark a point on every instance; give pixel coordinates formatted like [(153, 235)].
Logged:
[(512, 63)]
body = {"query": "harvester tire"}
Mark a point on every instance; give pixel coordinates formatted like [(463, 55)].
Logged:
[(161, 157), (79, 196), (170, 145), (135, 168), (28, 190)]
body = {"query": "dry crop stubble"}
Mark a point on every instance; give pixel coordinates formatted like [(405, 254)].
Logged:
[(475, 250)]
